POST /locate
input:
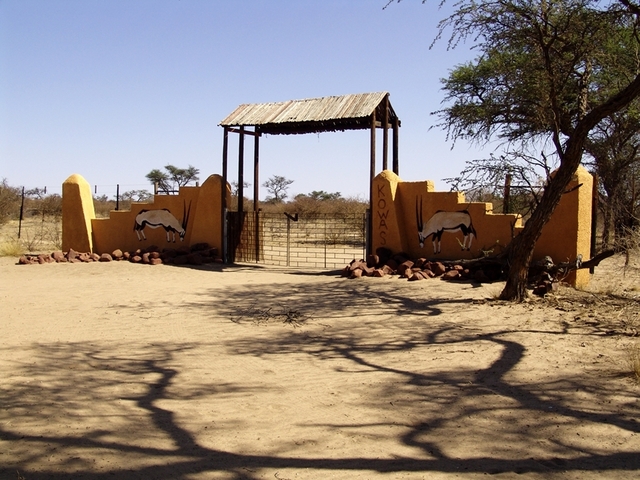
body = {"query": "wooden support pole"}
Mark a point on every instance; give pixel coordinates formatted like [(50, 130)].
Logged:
[(372, 174), (225, 170), (396, 135), (256, 171), (256, 191), (223, 194), (241, 172), (385, 133)]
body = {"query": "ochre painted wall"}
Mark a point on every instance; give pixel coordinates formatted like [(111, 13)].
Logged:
[(201, 204), (396, 213), (568, 232), (77, 214)]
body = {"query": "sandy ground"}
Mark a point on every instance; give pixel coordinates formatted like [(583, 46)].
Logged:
[(129, 371)]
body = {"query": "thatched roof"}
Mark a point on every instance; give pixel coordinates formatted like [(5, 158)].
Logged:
[(312, 115)]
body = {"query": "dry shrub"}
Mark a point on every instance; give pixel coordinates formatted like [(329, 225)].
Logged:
[(9, 201), (633, 359), (11, 248), (630, 244), (103, 206), (37, 234), (306, 205)]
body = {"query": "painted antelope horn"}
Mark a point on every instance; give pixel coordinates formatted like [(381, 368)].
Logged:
[(419, 214), (185, 215)]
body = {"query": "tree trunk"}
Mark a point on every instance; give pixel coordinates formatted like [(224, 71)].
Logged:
[(607, 216), (520, 250)]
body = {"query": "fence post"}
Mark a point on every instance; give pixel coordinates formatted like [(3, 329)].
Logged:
[(326, 239), (506, 207), (594, 219), (288, 239), (21, 214), (117, 197)]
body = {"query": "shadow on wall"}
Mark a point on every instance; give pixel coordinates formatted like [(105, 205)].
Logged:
[(191, 217), (412, 217)]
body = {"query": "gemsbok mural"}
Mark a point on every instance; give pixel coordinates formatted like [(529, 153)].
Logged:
[(154, 223), (443, 221), (162, 218), (400, 208)]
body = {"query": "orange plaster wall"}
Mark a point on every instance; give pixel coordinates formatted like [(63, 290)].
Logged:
[(77, 214), (395, 225), (385, 231), (203, 205), (568, 232)]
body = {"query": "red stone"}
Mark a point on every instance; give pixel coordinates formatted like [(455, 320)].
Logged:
[(58, 256), (451, 275)]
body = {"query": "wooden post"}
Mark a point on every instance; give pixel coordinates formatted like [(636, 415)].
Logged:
[(506, 200), (21, 214), (372, 174), (256, 169), (396, 135), (225, 171), (385, 133), (256, 190), (241, 173), (223, 193)]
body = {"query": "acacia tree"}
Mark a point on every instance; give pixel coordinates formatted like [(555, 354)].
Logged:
[(534, 81), (485, 179), (614, 148), (277, 186), (614, 144), (173, 178)]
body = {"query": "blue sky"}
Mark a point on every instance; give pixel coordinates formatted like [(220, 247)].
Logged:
[(112, 89)]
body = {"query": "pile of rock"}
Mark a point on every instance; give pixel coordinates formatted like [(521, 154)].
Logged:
[(385, 263), (197, 254)]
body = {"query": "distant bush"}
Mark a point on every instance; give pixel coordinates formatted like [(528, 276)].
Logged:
[(309, 205), (103, 206), (9, 201)]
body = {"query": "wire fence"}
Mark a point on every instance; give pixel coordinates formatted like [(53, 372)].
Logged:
[(325, 241)]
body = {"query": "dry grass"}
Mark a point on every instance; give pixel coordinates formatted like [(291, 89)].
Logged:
[(609, 306), (37, 235), (633, 359), (11, 248)]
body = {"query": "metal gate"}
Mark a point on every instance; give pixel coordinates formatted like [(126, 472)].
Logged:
[(325, 241)]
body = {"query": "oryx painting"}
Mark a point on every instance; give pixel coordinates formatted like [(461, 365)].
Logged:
[(442, 221), (162, 218)]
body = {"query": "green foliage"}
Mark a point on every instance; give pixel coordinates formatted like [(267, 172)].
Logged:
[(137, 196), (307, 205), (9, 201), (170, 181), (321, 195), (484, 180), (103, 205), (277, 187), (533, 82)]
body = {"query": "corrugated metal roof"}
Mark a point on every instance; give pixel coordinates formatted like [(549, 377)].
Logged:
[(309, 115)]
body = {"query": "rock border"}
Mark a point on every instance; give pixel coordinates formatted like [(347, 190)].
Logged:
[(197, 254)]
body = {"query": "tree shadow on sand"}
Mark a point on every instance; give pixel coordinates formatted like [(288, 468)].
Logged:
[(462, 405)]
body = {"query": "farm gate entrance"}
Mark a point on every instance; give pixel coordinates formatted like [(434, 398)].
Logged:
[(326, 241)]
